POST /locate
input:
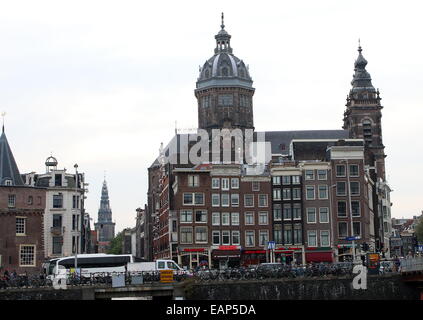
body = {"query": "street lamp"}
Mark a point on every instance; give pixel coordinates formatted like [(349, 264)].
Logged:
[(331, 215), (76, 198)]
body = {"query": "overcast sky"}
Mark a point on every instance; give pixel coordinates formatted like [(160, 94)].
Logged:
[(101, 83)]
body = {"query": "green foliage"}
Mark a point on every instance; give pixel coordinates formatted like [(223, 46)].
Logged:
[(116, 244), (419, 231)]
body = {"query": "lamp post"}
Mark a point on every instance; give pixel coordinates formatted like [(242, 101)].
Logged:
[(350, 208), (76, 199)]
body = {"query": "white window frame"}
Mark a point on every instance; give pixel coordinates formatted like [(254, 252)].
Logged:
[(225, 184), (181, 215), (321, 238), (263, 214), (315, 237), (235, 218), (24, 226), (206, 233), (215, 196), (266, 232), (325, 174), (255, 186), (193, 180), (306, 173), (225, 196), (358, 184), (192, 234), (21, 246), (314, 192), (276, 180), (203, 214), (215, 183), (245, 202), (248, 213), (266, 201), (326, 191), (315, 215), (320, 215), (296, 179), (215, 218), (236, 232), (336, 170), (228, 215), (252, 232), (236, 184), (338, 194), (277, 194), (293, 194), (215, 232), (228, 233), (235, 196)]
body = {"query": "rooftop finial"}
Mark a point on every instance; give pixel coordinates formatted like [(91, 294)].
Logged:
[(359, 46), (3, 114), (222, 25)]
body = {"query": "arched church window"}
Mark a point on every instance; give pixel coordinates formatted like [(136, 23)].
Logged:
[(207, 73), (225, 71)]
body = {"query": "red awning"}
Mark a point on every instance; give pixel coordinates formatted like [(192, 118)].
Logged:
[(254, 251), (318, 257)]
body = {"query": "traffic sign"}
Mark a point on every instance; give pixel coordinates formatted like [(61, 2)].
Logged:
[(271, 245)]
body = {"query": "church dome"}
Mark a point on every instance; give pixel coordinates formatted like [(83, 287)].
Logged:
[(224, 68), (51, 162)]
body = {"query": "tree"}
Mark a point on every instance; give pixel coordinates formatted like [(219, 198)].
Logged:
[(419, 231), (116, 244)]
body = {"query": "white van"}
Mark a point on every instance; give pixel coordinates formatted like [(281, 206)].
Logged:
[(156, 266)]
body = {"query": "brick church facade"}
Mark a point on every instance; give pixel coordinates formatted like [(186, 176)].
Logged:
[(317, 189)]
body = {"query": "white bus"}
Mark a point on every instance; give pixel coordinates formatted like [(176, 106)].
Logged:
[(89, 264)]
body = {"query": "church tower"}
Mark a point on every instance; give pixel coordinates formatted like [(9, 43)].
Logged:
[(363, 115), (224, 89), (105, 227)]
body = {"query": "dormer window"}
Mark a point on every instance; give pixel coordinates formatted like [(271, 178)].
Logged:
[(8, 182), (57, 180)]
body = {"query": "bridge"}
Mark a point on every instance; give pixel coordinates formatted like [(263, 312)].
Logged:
[(406, 284)]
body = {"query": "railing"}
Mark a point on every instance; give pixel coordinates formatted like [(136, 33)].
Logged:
[(93, 279), (412, 264)]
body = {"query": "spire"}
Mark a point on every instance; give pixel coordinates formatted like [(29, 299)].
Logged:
[(104, 213), (361, 78), (9, 172), (223, 39)]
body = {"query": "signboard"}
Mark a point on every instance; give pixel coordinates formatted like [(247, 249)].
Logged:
[(271, 245), (352, 238), (166, 276), (228, 247), (373, 263)]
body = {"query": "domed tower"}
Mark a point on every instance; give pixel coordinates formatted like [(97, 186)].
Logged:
[(224, 89)]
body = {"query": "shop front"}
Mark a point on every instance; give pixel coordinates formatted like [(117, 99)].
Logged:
[(317, 255), (194, 257), (225, 257), (289, 255), (253, 257)]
